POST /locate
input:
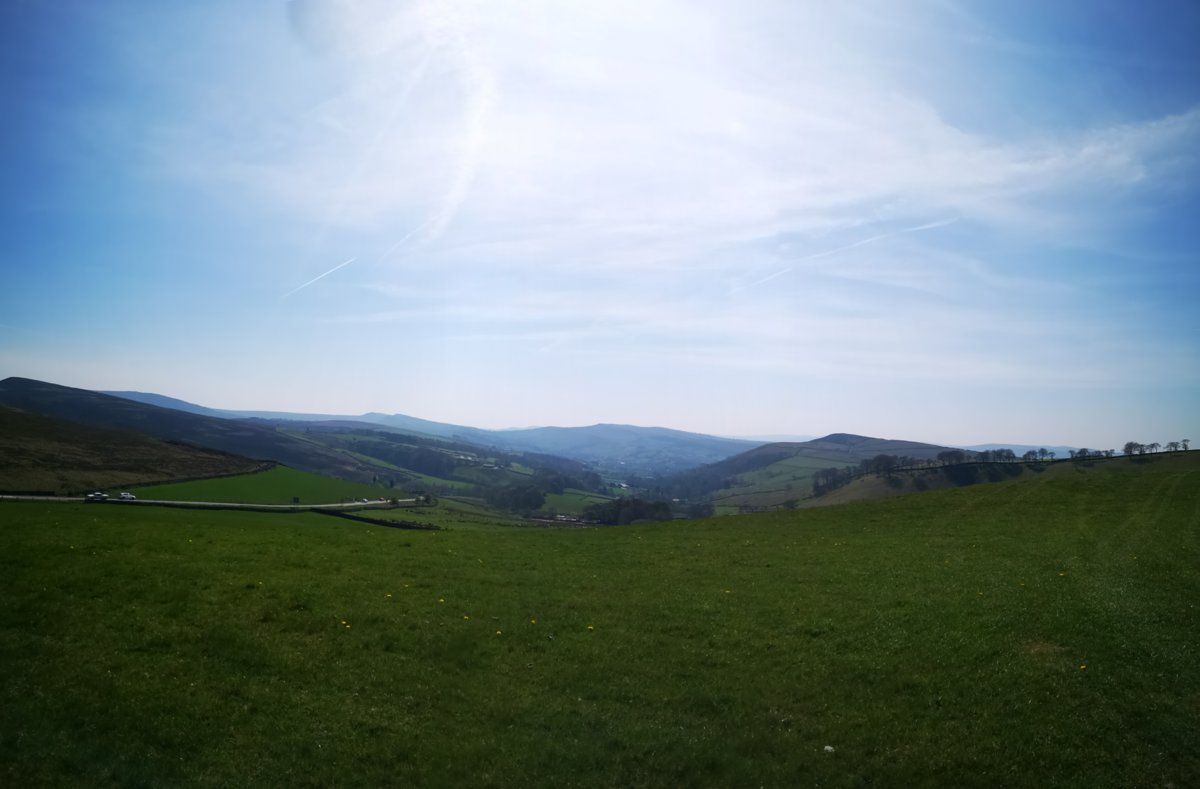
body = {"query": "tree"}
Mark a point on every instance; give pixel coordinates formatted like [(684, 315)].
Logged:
[(1155, 446), (1172, 446), (1042, 453), (1030, 456), (1131, 447), (1185, 443), (951, 456), (1050, 455)]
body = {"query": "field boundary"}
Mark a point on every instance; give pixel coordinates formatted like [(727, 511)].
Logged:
[(410, 525)]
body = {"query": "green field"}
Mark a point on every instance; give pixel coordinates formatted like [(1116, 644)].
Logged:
[(572, 501), (1036, 632), (771, 486), (277, 486)]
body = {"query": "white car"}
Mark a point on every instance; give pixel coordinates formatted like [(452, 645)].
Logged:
[(127, 496)]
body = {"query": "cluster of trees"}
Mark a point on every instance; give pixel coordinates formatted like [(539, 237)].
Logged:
[(623, 511), (1084, 453), (828, 479), (995, 456), (1134, 448), (517, 497)]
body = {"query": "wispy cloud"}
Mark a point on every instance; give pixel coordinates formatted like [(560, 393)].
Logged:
[(738, 187)]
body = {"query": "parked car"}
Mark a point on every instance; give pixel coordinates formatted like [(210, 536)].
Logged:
[(127, 496), (97, 496)]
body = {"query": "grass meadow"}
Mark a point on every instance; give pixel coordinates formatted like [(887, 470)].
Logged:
[(1035, 632), (276, 486)]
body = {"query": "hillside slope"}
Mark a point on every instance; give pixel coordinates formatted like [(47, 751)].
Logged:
[(770, 475), (899, 483), (628, 449), (45, 455), (237, 437), (619, 449)]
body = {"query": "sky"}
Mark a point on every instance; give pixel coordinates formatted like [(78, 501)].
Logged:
[(960, 222)]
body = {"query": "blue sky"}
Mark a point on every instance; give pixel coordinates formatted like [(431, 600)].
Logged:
[(949, 221)]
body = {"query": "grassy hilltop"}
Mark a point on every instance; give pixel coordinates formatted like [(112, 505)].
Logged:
[(1034, 632)]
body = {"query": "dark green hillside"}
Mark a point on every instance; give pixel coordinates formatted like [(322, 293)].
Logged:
[(1040, 632), (40, 454), (235, 436)]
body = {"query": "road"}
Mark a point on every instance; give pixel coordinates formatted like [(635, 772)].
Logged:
[(218, 505)]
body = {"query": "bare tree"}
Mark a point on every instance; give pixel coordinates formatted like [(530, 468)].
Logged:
[(1131, 447), (1185, 443), (1172, 446), (1155, 447)]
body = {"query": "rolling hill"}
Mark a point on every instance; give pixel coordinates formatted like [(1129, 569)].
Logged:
[(243, 438), (620, 450), (773, 474), (349, 450), (40, 454)]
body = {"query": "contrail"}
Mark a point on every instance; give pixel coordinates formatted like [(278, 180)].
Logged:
[(767, 278), (319, 276), (835, 250), (403, 238)]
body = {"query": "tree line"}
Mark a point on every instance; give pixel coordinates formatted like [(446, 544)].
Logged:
[(1135, 448)]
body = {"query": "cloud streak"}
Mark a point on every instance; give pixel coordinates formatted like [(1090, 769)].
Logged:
[(318, 278), (836, 250)]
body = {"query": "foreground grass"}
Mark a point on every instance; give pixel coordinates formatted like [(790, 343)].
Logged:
[(1029, 633), (276, 486)]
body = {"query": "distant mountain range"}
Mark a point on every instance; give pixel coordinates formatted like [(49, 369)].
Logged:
[(617, 449), (620, 451)]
